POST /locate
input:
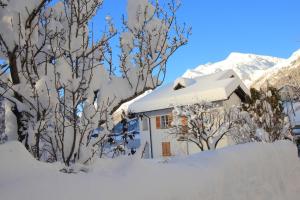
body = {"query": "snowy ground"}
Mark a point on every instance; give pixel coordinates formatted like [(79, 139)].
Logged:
[(252, 171)]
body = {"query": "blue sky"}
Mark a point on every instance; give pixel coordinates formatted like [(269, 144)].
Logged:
[(267, 27)]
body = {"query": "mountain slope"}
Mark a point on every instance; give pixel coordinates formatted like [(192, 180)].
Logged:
[(286, 72), (249, 67)]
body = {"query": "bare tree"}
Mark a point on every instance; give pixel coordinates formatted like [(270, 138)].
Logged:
[(61, 83), (206, 124)]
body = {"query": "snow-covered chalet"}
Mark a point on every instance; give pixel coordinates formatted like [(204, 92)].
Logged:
[(155, 109)]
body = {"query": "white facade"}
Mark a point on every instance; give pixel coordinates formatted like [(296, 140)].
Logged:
[(232, 100), (158, 136)]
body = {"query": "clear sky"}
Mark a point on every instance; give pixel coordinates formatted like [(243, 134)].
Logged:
[(267, 27)]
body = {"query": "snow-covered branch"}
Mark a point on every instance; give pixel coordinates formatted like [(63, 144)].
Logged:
[(206, 124), (57, 80)]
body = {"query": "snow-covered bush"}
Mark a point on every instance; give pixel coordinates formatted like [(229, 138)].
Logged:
[(206, 124), (122, 138), (60, 81), (266, 110)]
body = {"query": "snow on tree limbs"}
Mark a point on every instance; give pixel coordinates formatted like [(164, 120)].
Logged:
[(61, 84), (261, 119), (266, 109), (209, 123)]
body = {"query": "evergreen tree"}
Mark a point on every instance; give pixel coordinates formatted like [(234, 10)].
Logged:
[(266, 110)]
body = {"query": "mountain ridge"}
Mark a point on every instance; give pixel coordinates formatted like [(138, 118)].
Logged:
[(286, 72), (249, 67)]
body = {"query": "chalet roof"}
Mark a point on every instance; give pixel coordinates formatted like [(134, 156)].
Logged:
[(214, 87)]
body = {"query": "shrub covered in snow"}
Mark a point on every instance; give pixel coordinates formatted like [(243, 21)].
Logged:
[(206, 124), (266, 110)]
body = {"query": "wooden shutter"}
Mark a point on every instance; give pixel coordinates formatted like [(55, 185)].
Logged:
[(184, 128), (183, 121), (157, 122), (166, 148)]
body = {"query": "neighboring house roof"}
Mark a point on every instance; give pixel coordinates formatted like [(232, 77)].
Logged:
[(214, 87), (117, 115)]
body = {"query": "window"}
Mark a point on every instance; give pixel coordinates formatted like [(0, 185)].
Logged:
[(184, 124), (164, 121), (145, 124), (166, 149)]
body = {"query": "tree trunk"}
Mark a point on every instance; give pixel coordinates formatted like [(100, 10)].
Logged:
[(16, 80)]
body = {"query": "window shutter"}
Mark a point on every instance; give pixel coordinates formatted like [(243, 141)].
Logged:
[(168, 146), (157, 122), (166, 149), (184, 121), (184, 128), (163, 147)]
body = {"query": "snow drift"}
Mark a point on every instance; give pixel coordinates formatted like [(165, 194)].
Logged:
[(252, 171)]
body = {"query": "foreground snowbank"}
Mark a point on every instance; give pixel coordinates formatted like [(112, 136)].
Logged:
[(252, 171)]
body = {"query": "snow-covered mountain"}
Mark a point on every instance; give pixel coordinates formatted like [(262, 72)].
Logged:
[(249, 67), (285, 72)]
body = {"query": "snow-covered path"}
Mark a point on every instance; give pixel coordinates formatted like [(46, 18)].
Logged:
[(251, 171)]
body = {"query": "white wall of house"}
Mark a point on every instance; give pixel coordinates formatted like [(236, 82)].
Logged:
[(232, 100), (164, 135)]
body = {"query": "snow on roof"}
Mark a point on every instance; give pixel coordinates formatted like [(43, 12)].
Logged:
[(213, 87), (183, 82)]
